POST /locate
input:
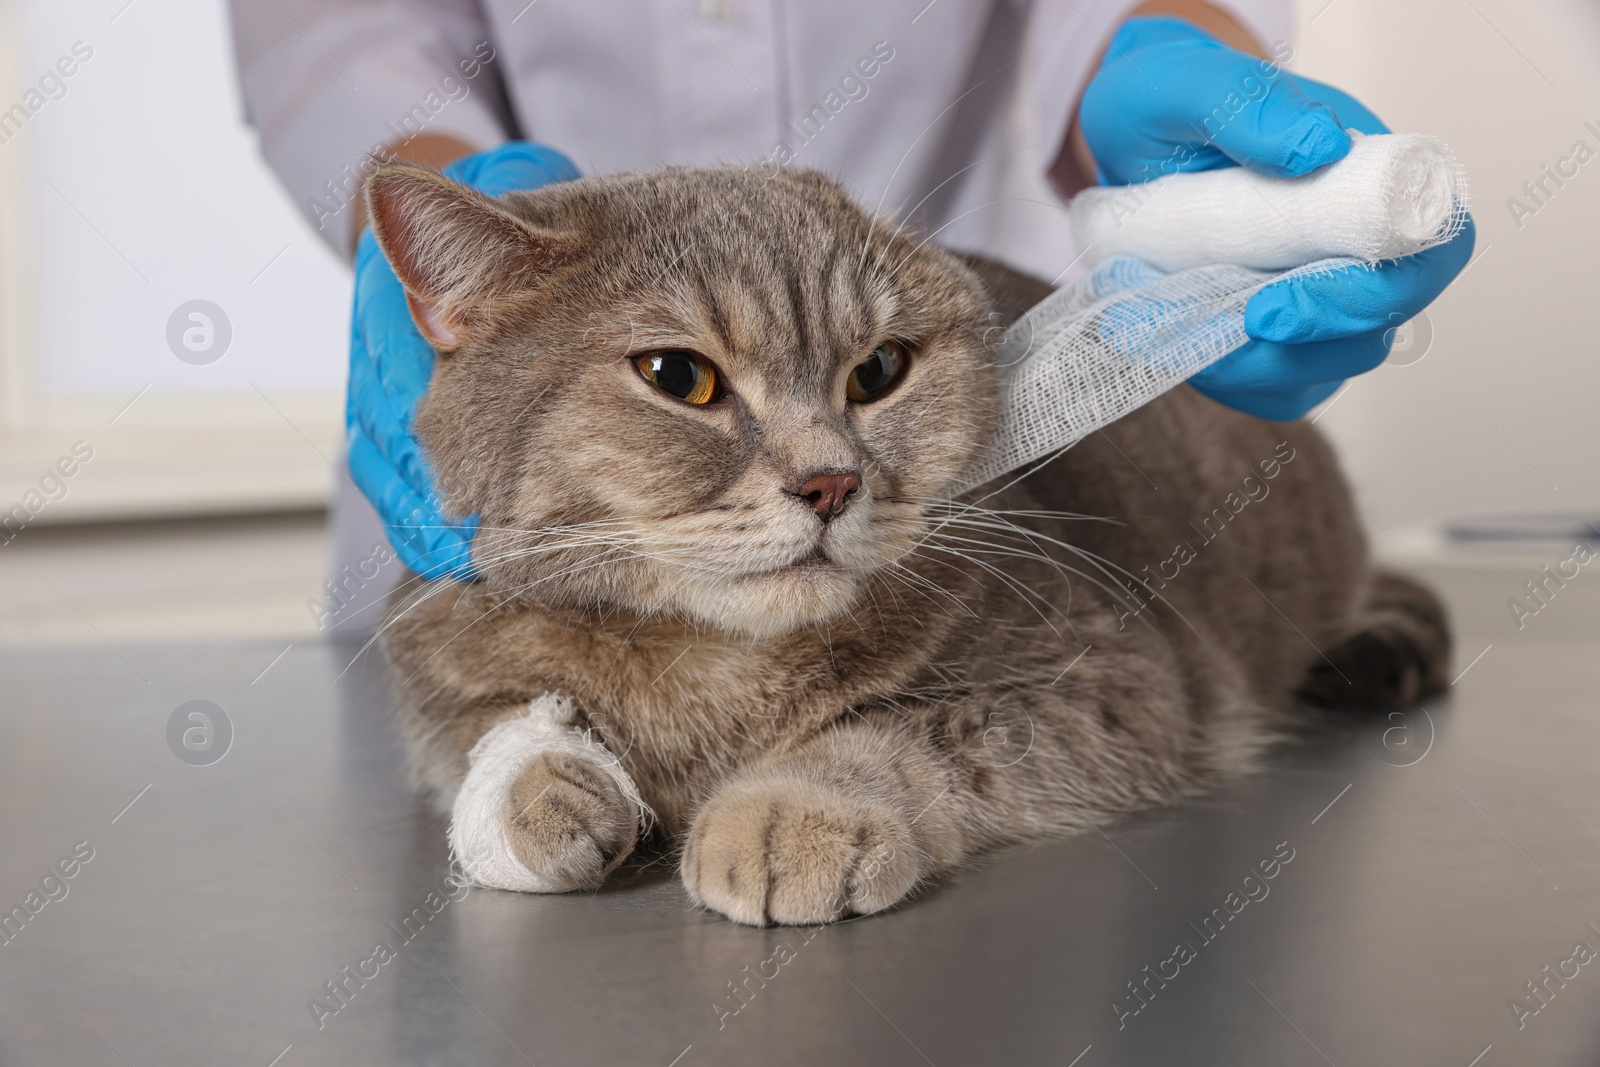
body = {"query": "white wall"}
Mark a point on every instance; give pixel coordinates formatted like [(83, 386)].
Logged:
[(147, 192), (131, 189), (1510, 85)]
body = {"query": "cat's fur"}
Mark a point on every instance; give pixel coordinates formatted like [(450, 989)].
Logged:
[(816, 740)]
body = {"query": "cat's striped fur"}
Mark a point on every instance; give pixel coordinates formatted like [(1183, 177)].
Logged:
[(817, 736)]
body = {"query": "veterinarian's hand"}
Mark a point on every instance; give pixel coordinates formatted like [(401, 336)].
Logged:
[(1168, 98), (390, 365)]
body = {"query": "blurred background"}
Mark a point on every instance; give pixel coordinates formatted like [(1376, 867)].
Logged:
[(173, 332)]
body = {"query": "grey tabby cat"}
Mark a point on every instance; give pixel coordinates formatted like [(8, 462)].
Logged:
[(708, 418)]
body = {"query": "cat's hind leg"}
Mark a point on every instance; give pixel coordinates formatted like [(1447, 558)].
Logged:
[(1396, 649)]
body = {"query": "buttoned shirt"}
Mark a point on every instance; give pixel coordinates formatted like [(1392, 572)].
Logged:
[(947, 113)]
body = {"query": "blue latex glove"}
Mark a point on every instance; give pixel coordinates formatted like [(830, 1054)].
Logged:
[(390, 365), (1164, 101)]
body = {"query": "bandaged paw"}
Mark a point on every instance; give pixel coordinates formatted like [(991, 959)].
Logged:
[(485, 815)]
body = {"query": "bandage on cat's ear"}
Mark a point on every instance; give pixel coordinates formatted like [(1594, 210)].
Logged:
[(454, 249)]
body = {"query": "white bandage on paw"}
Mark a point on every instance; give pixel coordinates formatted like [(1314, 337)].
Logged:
[(478, 841)]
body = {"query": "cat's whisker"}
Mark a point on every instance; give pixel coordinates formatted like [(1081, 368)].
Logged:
[(1116, 591), (904, 225), (981, 207), (493, 608), (526, 551), (971, 549), (938, 531), (963, 507), (413, 601), (974, 544), (426, 592), (905, 576), (1012, 531), (1035, 601), (596, 524), (877, 211), (1027, 595), (1105, 566)]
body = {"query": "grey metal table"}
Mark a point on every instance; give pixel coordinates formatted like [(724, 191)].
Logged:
[(1441, 859)]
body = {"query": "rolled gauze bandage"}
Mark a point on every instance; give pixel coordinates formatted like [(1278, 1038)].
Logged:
[(1393, 195), (1175, 264)]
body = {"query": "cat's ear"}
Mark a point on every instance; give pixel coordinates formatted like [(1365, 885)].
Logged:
[(455, 250)]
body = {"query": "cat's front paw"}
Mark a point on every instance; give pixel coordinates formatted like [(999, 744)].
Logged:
[(544, 808), (787, 850), (568, 823)]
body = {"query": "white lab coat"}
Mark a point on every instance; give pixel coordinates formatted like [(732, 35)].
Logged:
[(948, 112)]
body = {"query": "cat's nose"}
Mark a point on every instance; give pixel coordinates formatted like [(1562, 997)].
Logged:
[(828, 491)]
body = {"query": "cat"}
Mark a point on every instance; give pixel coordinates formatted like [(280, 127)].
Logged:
[(707, 417)]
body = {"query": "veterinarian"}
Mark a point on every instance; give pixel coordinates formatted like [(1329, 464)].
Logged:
[(974, 119)]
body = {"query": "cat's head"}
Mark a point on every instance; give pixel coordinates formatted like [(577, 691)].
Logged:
[(701, 391)]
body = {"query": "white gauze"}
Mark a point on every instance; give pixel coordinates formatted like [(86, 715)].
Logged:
[(1178, 259), (1392, 196), (478, 840)]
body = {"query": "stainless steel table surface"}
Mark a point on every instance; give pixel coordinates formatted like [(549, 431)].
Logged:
[(1442, 858)]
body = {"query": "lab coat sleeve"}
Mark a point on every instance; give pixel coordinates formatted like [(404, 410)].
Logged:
[(1066, 37), (326, 82)]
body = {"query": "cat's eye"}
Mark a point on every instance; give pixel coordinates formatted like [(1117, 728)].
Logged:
[(876, 375), (678, 372)]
